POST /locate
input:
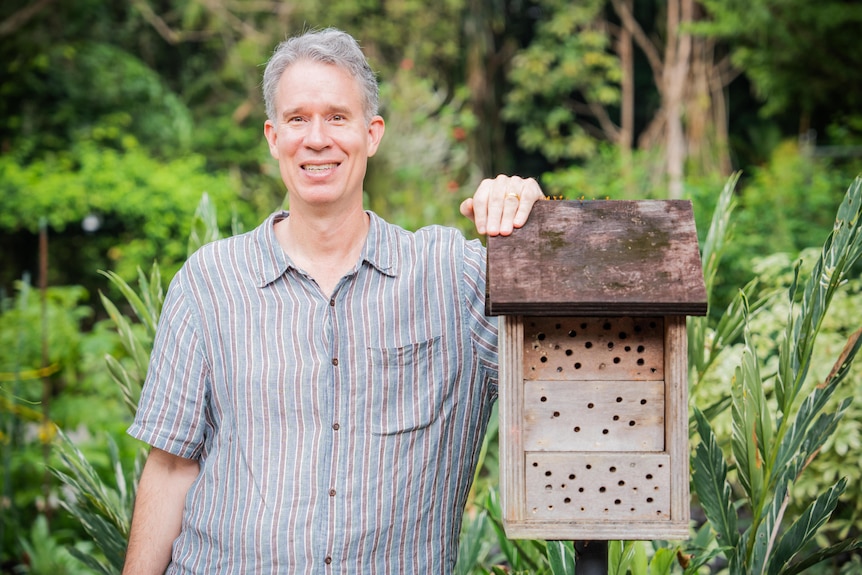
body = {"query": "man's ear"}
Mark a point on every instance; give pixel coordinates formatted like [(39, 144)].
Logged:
[(375, 134), (270, 132)]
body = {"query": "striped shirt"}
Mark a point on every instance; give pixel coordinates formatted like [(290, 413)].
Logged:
[(335, 434)]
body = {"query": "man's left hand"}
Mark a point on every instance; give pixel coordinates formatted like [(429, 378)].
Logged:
[(502, 204)]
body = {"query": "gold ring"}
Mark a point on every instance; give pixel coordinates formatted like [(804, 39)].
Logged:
[(515, 195)]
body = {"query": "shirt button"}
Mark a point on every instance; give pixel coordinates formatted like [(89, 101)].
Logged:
[(332, 492), (328, 560), (334, 361), (332, 302), (336, 427)]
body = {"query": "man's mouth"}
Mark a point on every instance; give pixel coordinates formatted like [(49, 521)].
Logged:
[(319, 167)]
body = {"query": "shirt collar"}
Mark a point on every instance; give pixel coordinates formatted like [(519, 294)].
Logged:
[(379, 251)]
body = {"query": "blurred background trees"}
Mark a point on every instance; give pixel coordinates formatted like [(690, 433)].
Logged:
[(116, 116)]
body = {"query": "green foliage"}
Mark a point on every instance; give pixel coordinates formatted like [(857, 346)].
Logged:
[(145, 204), (104, 509), (782, 46), (794, 193), (566, 67), (421, 172), (47, 555), (770, 455), (87, 91)]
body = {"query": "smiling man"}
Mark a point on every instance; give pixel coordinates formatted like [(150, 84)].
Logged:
[(319, 387)]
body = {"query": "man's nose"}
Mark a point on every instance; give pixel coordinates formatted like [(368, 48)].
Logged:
[(317, 135)]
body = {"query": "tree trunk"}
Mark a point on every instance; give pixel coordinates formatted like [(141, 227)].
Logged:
[(676, 69)]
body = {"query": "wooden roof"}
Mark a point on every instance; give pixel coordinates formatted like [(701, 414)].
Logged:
[(599, 257)]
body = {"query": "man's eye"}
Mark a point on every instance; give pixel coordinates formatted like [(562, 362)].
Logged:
[(338, 118)]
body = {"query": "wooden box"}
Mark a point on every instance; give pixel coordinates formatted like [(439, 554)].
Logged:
[(593, 368)]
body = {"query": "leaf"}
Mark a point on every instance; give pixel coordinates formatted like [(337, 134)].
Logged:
[(662, 561), (710, 483), (822, 555), (803, 530), (561, 557)]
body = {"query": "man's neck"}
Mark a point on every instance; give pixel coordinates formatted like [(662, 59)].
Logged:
[(326, 248)]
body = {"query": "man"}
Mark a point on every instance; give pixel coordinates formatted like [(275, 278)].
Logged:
[(319, 387)]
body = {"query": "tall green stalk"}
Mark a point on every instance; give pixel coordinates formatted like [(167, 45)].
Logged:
[(769, 452)]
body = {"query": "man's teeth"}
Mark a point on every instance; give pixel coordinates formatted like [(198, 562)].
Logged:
[(319, 168)]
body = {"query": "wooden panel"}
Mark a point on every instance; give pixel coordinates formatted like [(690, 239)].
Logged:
[(594, 416), (510, 400), (676, 414), (588, 348), (598, 529), (620, 487), (599, 258)]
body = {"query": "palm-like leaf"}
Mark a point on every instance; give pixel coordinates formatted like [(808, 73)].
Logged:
[(769, 454)]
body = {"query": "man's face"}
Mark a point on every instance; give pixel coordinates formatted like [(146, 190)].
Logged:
[(320, 137)]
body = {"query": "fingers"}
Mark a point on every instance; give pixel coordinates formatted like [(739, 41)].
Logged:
[(502, 204)]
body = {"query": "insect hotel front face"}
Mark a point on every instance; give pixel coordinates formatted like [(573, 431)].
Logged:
[(593, 380)]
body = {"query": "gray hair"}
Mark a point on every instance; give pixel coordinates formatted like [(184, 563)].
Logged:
[(329, 46)]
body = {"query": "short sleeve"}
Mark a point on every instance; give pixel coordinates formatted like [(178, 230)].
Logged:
[(171, 413)]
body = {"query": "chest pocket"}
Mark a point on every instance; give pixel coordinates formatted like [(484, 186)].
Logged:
[(406, 385)]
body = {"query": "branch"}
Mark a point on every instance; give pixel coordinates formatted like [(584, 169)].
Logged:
[(649, 49), (14, 22), (170, 35)]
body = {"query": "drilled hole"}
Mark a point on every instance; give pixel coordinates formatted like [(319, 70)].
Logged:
[(580, 489), (640, 349), (649, 499), (572, 476), (578, 365), (589, 466), (619, 399), (543, 359), (547, 474), (617, 501), (616, 360), (616, 418), (556, 414), (649, 475), (610, 345), (632, 423), (567, 500), (604, 432), (628, 348), (621, 483), (623, 335), (613, 469), (602, 489), (535, 464), (559, 370), (540, 336), (543, 399), (569, 352), (548, 487), (606, 325), (643, 402), (583, 326), (590, 405), (573, 333), (640, 361), (577, 429), (588, 345)]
